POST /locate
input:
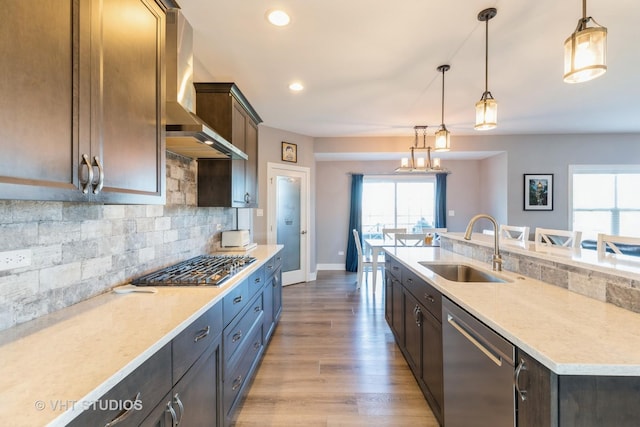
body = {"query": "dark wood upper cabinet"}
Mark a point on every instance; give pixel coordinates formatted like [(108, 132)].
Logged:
[(223, 182), (81, 116)]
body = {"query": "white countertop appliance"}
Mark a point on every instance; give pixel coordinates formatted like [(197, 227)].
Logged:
[(235, 238)]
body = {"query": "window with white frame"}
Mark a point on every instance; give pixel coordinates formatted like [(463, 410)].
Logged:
[(605, 199), (397, 202)]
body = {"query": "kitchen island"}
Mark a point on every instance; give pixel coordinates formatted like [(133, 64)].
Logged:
[(567, 332), (576, 359), (52, 367)]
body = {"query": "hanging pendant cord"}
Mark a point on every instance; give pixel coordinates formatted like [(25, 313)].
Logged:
[(442, 115), (486, 57)]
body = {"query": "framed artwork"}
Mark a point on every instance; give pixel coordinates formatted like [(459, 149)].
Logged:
[(289, 152), (538, 192)]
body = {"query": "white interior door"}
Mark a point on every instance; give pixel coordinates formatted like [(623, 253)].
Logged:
[(288, 219)]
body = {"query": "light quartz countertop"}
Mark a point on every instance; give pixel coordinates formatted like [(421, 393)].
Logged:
[(569, 333), (50, 365)]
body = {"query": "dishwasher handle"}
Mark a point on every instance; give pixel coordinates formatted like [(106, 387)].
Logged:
[(487, 352)]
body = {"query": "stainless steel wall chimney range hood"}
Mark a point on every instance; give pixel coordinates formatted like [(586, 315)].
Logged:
[(187, 134)]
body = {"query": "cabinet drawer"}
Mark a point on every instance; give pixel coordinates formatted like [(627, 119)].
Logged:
[(141, 391), (271, 266), (256, 280), (194, 340), (235, 334), (238, 374), (393, 267), (426, 294), (235, 301)]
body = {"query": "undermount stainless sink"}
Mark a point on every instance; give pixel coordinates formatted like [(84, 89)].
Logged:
[(461, 273)]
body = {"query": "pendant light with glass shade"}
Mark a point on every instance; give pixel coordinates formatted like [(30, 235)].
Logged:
[(585, 51), (443, 136), (487, 107)]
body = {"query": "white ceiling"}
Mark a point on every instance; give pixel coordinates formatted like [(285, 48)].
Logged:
[(369, 66)]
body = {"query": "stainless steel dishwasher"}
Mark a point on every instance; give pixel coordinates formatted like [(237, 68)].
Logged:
[(478, 372)]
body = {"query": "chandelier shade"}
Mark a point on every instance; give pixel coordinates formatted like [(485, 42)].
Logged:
[(487, 107), (443, 136), (585, 51)]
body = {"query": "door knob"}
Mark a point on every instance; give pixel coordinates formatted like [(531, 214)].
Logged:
[(303, 232)]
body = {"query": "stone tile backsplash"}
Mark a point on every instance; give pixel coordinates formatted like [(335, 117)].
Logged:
[(618, 290), (79, 250)]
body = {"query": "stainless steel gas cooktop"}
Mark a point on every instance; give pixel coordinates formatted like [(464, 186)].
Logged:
[(203, 270)]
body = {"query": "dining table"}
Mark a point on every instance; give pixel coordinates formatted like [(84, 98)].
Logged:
[(376, 245)]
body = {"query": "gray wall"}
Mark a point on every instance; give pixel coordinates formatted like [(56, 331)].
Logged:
[(493, 185), (269, 150)]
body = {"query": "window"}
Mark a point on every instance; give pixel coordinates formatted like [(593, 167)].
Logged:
[(397, 202), (605, 200)]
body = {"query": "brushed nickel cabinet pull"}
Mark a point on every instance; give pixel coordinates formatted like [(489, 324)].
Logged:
[(237, 300), (202, 334), (176, 398), (100, 183), (89, 181), (429, 298), (170, 410), (237, 382), (124, 415), (237, 336), (522, 366)]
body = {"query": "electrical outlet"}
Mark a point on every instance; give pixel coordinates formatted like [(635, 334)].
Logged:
[(15, 259), (218, 227)]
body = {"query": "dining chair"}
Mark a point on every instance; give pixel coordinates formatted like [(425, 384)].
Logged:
[(549, 238), (390, 233), (513, 234), (410, 239), (365, 261), (618, 245)]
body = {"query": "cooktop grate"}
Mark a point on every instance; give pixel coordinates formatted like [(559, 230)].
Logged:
[(203, 270)]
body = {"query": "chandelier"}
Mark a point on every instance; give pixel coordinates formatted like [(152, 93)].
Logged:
[(414, 164)]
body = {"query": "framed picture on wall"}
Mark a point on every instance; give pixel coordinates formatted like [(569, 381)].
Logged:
[(538, 192), (289, 152)]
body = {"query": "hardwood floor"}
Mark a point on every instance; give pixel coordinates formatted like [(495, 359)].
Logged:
[(333, 362)]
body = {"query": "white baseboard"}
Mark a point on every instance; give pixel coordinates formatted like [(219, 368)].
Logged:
[(334, 267)]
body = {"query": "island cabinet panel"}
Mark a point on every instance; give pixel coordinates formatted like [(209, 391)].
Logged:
[(536, 393), (224, 182), (413, 310), (83, 101)]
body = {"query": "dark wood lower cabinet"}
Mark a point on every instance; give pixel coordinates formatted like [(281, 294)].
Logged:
[(195, 399), (536, 393), (417, 331)]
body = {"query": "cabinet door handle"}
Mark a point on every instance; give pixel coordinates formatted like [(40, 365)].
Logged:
[(237, 300), (247, 198), (522, 366), (256, 345), (202, 334), (257, 280), (417, 314), (237, 336), (100, 182), (170, 410), (237, 382), (124, 415), (176, 398), (429, 298), (257, 308), (89, 181)]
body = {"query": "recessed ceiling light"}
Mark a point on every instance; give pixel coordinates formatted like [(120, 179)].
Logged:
[(279, 18), (296, 86)]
